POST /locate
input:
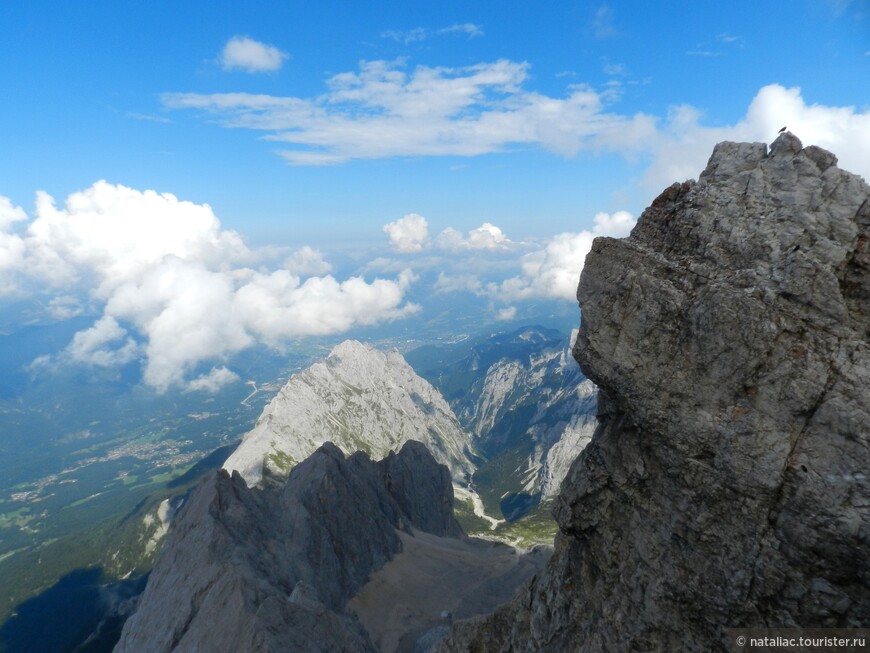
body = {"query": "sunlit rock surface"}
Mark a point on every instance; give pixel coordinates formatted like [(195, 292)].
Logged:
[(360, 399)]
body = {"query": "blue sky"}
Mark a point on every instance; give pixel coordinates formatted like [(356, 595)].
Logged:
[(521, 129)]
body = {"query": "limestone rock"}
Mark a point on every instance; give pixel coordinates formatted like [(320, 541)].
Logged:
[(360, 399), (726, 484), (272, 569)]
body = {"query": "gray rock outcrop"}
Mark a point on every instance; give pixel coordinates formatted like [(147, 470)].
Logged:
[(272, 569), (727, 482)]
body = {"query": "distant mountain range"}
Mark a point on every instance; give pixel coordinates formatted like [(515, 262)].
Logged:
[(496, 409), (506, 413)]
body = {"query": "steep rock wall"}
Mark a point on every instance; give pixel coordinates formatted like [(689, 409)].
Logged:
[(727, 483)]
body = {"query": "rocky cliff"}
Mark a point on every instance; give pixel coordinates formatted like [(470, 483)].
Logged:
[(272, 569), (525, 403), (726, 484), (537, 408)]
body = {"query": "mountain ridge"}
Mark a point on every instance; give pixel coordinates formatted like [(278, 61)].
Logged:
[(243, 568)]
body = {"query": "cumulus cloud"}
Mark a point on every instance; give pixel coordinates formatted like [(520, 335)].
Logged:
[(383, 111), (506, 314), (216, 379), (177, 290), (104, 344), (244, 53), (486, 236), (554, 270), (306, 262), (408, 234), (617, 225), (681, 149), (9, 213)]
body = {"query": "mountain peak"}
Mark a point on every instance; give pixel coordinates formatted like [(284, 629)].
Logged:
[(360, 399), (352, 349), (728, 335)]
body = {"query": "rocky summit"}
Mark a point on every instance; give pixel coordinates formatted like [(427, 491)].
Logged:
[(727, 482)]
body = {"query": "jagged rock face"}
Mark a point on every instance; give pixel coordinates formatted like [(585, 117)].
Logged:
[(272, 569), (522, 396), (548, 396), (360, 399), (727, 483)]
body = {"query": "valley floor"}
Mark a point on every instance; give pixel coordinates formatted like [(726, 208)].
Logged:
[(435, 579)]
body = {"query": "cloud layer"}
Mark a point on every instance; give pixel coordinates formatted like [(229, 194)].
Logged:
[(383, 111), (551, 270), (175, 289)]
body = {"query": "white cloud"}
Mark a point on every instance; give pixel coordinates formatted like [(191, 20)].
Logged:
[(447, 283), (9, 213), (99, 345), (64, 307), (112, 234), (382, 111), (555, 270), (469, 29), (408, 234), (422, 33), (179, 283), (244, 53), (277, 306), (406, 36), (508, 313), (485, 237), (617, 225), (216, 379), (307, 261), (682, 148)]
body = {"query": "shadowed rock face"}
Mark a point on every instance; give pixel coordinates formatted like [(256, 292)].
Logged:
[(272, 569), (727, 483)]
